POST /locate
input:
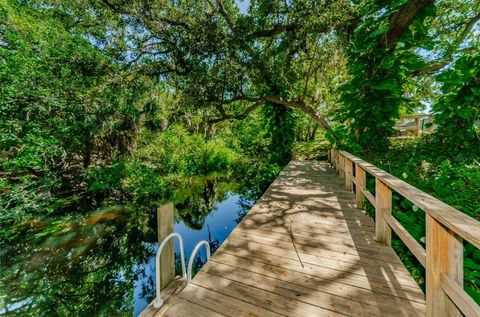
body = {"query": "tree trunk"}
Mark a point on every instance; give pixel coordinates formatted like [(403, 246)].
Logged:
[(313, 135)]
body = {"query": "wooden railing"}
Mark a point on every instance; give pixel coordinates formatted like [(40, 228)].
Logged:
[(446, 228), (417, 129)]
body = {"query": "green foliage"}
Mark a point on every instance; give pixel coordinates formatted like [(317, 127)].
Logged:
[(450, 175), (457, 112), (312, 150), (280, 130), (179, 152), (87, 151), (372, 98), (106, 111)]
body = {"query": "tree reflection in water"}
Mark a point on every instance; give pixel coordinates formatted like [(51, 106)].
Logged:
[(75, 265)]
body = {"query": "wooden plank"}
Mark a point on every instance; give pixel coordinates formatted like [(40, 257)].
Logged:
[(365, 239), (405, 236), (312, 225), (352, 179), (330, 297), (460, 223), (365, 234), (167, 259), (172, 289), (326, 257), (259, 297), (369, 196), (304, 250), (360, 183), (301, 217), (348, 174), (418, 131), (310, 247), (341, 167), (355, 275), (317, 240), (225, 305), (182, 307), (347, 213), (407, 128), (359, 289), (415, 115), (359, 266), (335, 253), (458, 296), (383, 205), (444, 257), (337, 160)]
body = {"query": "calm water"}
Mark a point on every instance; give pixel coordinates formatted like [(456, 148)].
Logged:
[(102, 263), (222, 219)]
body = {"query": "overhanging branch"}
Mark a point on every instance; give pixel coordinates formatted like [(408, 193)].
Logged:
[(401, 20), (438, 65), (275, 100)]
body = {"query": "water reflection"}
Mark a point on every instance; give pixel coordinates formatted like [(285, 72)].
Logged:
[(215, 227), (102, 263)]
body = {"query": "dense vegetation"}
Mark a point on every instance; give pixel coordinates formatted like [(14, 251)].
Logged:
[(109, 108)]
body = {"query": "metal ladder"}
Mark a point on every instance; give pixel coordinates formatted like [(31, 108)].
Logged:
[(158, 302)]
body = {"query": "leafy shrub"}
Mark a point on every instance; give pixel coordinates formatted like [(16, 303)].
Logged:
[(177, 151), (449, 174)]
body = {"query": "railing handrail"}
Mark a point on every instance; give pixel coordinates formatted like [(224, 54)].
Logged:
[(446, 228), (460, 223)]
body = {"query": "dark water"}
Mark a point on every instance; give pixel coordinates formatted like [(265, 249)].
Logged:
[(222, 219), (101, 263)]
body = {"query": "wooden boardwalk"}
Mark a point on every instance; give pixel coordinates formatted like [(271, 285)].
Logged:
[(302, 250)]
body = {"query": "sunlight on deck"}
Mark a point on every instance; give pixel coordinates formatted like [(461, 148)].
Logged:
[(302, 250)]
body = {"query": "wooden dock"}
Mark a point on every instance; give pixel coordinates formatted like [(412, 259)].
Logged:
[(302, 250)]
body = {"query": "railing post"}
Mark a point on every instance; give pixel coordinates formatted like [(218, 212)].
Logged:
[(348, 173), (418, 131), (360, 181), (167, 260), (339, 163), (341, 167), (334, 158), (383, 204), (444, 257), (337, 160)]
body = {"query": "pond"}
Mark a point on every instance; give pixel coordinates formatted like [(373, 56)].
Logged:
[(223, 218), (101, 263)]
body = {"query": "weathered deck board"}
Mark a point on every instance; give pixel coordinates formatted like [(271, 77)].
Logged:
[(302, 250)]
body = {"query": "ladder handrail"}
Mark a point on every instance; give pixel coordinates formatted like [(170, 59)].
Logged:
[(158, 299), (192, 257)]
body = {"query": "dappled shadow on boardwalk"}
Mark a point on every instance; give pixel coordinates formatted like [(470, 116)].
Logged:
[(303, 250)]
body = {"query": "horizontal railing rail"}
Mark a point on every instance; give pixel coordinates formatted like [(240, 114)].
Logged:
[(446, 228)]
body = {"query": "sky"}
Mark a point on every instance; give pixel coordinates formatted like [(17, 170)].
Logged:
[(243, 5)]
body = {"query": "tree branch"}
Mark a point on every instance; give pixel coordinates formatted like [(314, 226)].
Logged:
[(221, 10), (224, 116), (438, 65), (297, 104), (400, 21), (276, 29)]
